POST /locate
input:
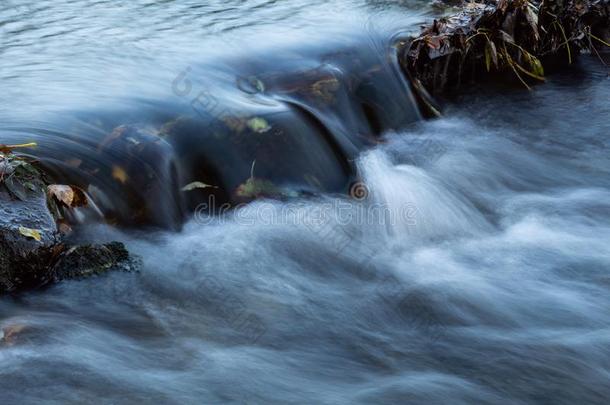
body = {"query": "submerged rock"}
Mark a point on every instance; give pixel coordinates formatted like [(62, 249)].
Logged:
[(89, 260), (32, 252)]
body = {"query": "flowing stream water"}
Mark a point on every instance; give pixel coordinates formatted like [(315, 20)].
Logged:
[(476, 270)]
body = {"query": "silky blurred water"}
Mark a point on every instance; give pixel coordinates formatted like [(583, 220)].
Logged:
[(481, 276), (87, 53)]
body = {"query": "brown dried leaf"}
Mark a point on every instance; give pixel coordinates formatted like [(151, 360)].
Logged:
[(116, 133), (71, 196), (64, 227), (74, 162), (11, 332)]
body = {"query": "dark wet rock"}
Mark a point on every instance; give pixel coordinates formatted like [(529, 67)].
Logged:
[(301, 122), (31, 250), (89, 260), (23, 210)]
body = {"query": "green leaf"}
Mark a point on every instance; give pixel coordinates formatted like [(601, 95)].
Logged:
[(491, 54), (536, 66), (258, 125), (254, 187)]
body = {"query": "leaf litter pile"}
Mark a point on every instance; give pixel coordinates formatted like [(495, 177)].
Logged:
[(517, 39)]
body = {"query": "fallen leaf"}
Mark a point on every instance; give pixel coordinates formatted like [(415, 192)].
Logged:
[(71, 196), (118, 173), (74, 162), (116, 133), (258, 125), (256, 187), (30, 233), (325, 89), (234, 123), (10, 332), (7, 149), (64, 194), (64, 227), (195, 185)]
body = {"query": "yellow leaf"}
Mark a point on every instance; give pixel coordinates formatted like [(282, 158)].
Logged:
[(259, 125), (118, 173), (6, 149), (30, 233)]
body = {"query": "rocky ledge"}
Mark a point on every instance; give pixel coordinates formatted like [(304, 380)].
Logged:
[(33, 228)]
